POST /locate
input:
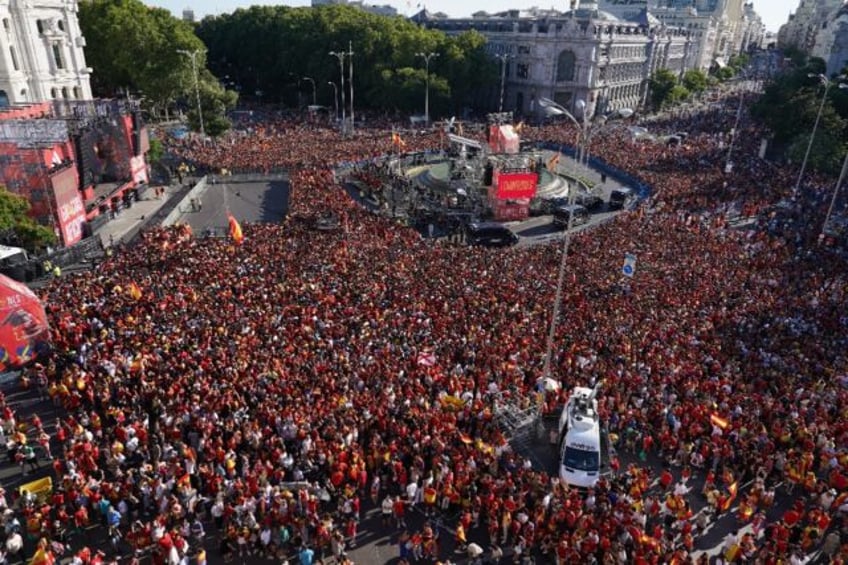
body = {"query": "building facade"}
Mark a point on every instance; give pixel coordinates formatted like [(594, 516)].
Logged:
[(41, 52), (586, 60), (718, 29), (819, 28)]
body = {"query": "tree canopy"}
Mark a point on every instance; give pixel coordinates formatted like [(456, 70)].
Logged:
[(137, 48), (270, 49), (17, 228), (789, 107)]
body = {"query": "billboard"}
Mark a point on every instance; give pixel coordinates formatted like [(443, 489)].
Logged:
[(70, 210), (513, 186)]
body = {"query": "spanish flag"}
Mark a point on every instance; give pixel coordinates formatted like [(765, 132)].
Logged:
[(396, 140), (717, 420), (235, 229), (134, 291), (519, 127), (553, 161), (466, 439), (728, 502)]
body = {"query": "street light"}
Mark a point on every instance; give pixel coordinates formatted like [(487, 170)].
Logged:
[(827, 84), (350, 59), (341, 56), (427, 57), (503, 58), (314, 96), (193, 56), (335, 99)]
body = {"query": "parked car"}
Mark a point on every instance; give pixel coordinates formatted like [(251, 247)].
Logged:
[(575, 213), (490, 234), (619, 198)]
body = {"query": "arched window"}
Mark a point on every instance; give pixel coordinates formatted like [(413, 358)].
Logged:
[(4, 99), (565, 66)]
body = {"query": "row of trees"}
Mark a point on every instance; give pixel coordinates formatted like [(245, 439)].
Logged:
[(268, 50), (789, 107), (667, 89), (139, 50)]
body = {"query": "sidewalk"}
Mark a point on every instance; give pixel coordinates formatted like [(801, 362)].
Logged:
[(129, 221)]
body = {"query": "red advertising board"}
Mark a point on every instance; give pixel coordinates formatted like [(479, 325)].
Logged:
[(70, 210), (512, 186), (23, 326)]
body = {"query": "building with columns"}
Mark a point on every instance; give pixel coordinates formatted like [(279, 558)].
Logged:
[(718, 29), (41, 52), (585, 59)]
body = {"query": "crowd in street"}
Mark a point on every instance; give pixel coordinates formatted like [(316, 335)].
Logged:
[(273, 392)]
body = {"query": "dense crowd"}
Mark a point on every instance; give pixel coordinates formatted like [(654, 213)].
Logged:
[(274, 391)]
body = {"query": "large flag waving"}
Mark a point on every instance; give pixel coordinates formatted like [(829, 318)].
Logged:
[(397, 140), (235, 229)]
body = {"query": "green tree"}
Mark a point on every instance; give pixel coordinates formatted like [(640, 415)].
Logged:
[(137, 48), (271, 48), (662, 84), (17, 227), (695, 80), (724, 74)]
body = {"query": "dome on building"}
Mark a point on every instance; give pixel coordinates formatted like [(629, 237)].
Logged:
[(646, 19)]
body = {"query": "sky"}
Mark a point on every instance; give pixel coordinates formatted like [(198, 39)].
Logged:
[(774, 12)]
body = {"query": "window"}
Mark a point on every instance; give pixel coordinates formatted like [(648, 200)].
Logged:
[(66, 93), (6, 24), (565, 66), (77, 92), (39, 24), (57, 56), (14, 57), (522, 70), (54, 93), (61, 25)]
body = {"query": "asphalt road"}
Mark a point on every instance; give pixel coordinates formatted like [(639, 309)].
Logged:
[(247, 201)]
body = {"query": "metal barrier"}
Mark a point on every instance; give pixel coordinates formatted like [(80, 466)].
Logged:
[(280, 176)]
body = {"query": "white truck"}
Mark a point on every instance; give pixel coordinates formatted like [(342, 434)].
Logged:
[(583, 439)]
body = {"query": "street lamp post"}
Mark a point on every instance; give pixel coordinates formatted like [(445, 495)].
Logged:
[(341, 56), (314, 94), (503, 58), (335, 99), (728, 164), (427, 57), (827, 84), (193, 56), (350, 60)]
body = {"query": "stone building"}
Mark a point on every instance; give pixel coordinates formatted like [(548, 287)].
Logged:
[(585, 59), (41, 52)]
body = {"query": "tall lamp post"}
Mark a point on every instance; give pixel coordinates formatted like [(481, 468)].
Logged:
[(193, 56), (350, 60), (335, 99), (503, 58), (427, 57), (827, 84), (584, 131), (314, 94), (341, 56)]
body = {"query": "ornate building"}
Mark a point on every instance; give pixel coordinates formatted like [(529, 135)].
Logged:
[(41, 52), (583, 59)]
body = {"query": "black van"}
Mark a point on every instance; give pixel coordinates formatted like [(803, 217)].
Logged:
[(619, 198), (490, 234), (563, 213)]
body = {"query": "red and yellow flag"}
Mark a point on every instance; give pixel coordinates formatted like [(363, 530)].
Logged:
[(235, 229), (728, 502), (397, 140), (553, 161), (717, 420), (134, 291)]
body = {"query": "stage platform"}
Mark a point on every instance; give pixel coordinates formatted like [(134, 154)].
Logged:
[(436, 176)]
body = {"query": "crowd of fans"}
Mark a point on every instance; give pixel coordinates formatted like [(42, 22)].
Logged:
[(273, 392)]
